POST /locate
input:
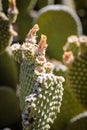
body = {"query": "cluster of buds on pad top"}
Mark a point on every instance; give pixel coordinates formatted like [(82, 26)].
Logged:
[(75, 58), (40, 90)]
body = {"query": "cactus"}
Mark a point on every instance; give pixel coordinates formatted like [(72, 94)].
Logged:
[(6, 35), (7, 64), (10, 114), (8, 71), (6, 30), (34, 86), (77, 67), (52, 21), (24, 55), (43, 105), (69, 104), (69, 109), (38, 84), (9, 108)]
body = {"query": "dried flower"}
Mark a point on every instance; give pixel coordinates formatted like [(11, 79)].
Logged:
[(68, 58), (42, 45), (31, 36)]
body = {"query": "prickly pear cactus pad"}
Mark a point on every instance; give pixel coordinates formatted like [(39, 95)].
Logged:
[(6, 29), (8, 71), (40, 90), (77, 69), (10, 113), (42, 105), (5, 34), (25, 55), (53, 20)]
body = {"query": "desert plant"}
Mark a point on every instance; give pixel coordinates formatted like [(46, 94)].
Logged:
[(10, 114), (40, 90), (77, 70), (32, 93), (52, 21), (35, 73)]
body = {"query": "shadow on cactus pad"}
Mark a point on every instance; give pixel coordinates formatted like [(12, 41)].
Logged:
[(10, 115), (79, 122), (8, 71)]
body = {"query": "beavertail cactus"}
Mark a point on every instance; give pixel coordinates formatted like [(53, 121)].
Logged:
[(40, 90), (44, 103), (76, 60), (10, 114), (57, 15), (6, 30), (25, 54)]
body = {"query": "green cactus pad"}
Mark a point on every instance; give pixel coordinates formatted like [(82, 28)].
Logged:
[(58, 22), (26, 80), (44, 104), (77, 78), (79, 122), (38, 84), (5, 34), (9, 107), (8, 71), (27, 66)]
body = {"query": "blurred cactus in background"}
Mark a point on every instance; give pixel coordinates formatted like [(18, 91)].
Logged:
[(52, 21), (32, 93), (77, 67), (79, 122), (10, 113)]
